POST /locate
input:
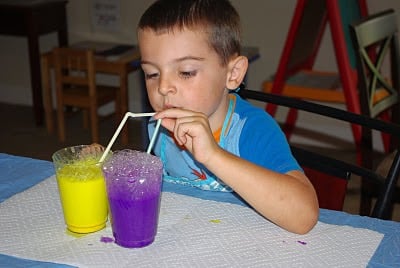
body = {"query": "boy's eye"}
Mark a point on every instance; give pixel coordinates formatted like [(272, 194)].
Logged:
[(151, 75), (188, 74)]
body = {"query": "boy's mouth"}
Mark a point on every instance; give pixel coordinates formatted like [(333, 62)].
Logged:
[(168, 106)]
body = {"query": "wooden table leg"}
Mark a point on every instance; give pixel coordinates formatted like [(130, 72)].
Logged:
[(47, 94), (34, 63)]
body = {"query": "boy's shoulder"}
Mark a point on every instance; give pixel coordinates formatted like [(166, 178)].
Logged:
[(246, 109)]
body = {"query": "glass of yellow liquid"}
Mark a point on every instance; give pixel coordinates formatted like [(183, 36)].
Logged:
[(82, 188)]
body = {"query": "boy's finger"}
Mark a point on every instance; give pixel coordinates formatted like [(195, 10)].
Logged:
[(168, 123), (173, 113)]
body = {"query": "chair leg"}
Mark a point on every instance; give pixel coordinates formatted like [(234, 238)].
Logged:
[(85, 118), (120, 115), (94, 124), (61, 122), (366, 195), (290, 123), (117, 107), (385, 137), (47, 95)]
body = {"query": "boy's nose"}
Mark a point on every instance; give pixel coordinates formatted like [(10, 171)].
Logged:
[(166, 87)]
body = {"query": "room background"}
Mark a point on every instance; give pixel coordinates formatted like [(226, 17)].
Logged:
[(265, 25)]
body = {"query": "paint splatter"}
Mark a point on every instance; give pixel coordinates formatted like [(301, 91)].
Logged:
[(301, 242), (215, 221), (106, 239)]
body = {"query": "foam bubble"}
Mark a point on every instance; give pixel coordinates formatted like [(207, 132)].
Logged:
[(132, 170), (80, 170)]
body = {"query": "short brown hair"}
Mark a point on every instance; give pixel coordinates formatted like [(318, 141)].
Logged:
[(218, 17)]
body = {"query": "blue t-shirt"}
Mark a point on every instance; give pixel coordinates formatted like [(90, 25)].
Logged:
[(248, 132)]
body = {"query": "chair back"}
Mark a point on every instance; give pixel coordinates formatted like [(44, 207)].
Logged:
[(76, 86), (333, 168), (74, 68), (375, 39)]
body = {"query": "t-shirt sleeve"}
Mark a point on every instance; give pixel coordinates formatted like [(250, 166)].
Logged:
[(263, 142)]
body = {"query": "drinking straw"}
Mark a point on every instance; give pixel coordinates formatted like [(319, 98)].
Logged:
[(153, 138), (114, 137)]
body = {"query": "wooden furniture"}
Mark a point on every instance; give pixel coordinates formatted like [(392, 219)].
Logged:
[(120, 66), (336, 168), (296, 75), (76, 86), (375, 39), (32, 18)]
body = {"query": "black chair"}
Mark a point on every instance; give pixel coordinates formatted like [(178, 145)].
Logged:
[(375, 42), (335, 167)]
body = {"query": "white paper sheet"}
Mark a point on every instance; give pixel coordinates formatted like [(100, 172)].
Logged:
[(192, 233)]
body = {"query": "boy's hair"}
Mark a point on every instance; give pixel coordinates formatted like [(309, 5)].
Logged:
[(218, 18)]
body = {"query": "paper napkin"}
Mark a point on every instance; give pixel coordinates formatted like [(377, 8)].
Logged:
[(192, 233)]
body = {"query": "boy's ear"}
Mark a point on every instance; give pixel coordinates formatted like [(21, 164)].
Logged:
[(237, 69)]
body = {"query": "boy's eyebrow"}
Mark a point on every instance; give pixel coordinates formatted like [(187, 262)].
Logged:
[(189, 58), (177, 60)]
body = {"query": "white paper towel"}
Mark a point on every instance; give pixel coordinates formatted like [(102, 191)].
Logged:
[(192, 233)]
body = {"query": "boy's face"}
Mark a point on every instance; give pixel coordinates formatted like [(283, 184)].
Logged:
[(183, 71)]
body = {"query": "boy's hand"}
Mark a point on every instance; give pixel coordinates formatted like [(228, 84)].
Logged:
[(191, 130)]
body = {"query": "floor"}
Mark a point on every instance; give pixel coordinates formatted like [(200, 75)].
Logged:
[(20, 136)]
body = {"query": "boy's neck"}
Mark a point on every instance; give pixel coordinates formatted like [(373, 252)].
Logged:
[(217, 131)]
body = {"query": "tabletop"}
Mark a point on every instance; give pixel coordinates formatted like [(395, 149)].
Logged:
[(111, 58), (184, 211)]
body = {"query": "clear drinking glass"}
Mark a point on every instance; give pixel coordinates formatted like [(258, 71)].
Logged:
[(82, 188), (133, 183)]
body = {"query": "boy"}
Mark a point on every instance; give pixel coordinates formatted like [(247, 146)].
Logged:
[(211, 138)]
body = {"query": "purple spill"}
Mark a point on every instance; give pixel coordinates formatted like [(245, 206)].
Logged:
[(106, 239), (301, 242)]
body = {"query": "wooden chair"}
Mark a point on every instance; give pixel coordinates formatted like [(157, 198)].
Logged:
[(76, 86), (375, 41), (337, 169), (296, 76)]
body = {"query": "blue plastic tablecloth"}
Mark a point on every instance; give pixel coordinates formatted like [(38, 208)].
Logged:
[(20, 173)]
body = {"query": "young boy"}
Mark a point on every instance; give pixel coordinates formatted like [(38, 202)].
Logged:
[(210, 137)]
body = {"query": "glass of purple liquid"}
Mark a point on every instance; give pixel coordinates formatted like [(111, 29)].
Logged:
[(133, 182)]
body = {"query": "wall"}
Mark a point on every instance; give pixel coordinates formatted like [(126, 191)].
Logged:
[(265, 25)]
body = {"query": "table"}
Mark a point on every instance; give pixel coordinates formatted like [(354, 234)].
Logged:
[(19, 173), (119, 65), (32, 18)]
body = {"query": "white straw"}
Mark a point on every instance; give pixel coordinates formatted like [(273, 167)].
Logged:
[(153, 138), (114, 137)]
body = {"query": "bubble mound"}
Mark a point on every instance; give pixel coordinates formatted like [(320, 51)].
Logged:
[(134, 170), (79, 162)]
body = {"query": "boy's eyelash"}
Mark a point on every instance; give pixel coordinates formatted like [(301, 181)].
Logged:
[(188, 74), (150, 76), (184, 75)]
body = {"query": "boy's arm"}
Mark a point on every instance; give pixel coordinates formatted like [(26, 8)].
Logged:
[(288, 200)]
